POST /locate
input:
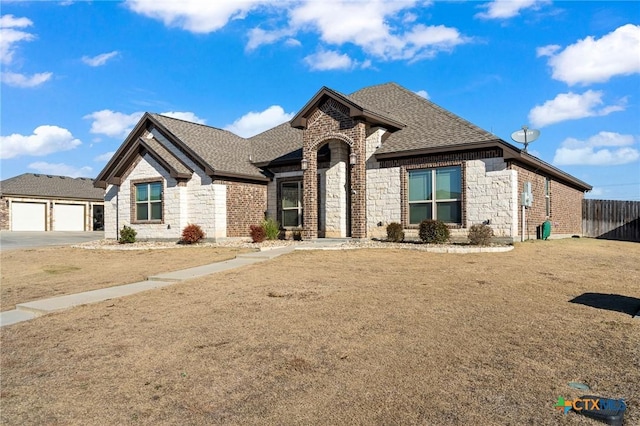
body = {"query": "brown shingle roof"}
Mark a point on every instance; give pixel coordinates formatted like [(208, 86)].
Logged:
[(49, 186), (166, 155), (427, 124), (223, 151), (280, 143)]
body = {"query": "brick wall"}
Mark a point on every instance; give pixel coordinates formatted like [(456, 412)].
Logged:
[(566, 209), (331, 121), (565, 203), (246, 205)]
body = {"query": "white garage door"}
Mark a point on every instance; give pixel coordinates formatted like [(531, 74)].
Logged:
[(68, 217), (28, 216)]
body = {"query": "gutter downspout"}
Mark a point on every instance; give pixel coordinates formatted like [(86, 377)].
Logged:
[(117, 212)]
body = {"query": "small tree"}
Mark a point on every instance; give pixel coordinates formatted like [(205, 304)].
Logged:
[(127, 235), (433, 231)]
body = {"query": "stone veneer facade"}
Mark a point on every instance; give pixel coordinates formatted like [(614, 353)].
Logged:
[(222, 208), (340, 199)]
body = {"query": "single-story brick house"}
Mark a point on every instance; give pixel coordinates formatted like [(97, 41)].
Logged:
[(38, 202), (344, 166)]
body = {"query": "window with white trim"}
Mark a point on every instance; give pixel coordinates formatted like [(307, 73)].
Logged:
[(148, 201), (435, 194), (547, 196), (291, 196)]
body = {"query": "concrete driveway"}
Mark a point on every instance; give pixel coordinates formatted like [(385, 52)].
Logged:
[(10, 240)]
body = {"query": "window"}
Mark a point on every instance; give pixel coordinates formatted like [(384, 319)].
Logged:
[(547, 196), (149, 201), (291, 195), (445, 205)]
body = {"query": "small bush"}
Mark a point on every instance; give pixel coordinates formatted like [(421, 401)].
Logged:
[(395, 233), (127, 235), (257, 232), (191, 234), (480, 235), (433, 231), (297, 235), (271, 229)]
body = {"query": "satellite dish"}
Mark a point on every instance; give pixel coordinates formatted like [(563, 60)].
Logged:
[(525, 136)]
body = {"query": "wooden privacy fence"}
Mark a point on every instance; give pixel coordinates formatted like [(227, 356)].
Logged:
[(611, 219)]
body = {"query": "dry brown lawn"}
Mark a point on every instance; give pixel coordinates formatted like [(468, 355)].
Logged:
[(34, 274), (342, 337)]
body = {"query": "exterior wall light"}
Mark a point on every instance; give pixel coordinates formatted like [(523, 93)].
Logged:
[(304, 164), (353, 158)]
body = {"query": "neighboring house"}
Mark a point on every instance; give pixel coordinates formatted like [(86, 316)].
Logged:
[(37, 202), (344, 166)]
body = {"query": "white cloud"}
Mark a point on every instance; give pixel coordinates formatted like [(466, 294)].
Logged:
[(253, 123), (195, 15), (103, 158), (119, 125), (572, 106), (324, 60), (9, 36), (603, 149), (10, 21), (99, 60), (384, 29), (259, 37), (504, 9), (601, 139), (292, 42), (371, 29), (186, 116), (60, 169), (548, 50), (596, 60), (113, 124), (21, 80), (45, 140), (422, 93)]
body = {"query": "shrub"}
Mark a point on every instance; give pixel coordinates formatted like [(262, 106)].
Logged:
[(395, 232), (271, 229), (433, 231), (127, 235), (297, 235), (191, 234), (257, 233), (480, 235)]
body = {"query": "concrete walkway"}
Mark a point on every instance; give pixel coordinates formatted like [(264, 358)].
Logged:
[(30, 310)]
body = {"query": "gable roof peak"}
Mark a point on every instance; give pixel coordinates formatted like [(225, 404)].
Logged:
[(156, 115)]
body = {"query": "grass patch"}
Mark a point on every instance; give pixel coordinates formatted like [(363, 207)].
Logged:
[(60, 269), (35, 274), (419, 338)]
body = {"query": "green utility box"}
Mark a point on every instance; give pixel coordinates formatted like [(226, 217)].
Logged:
[(546, 229)]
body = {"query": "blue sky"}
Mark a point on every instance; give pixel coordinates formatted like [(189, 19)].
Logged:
[(77, 75)]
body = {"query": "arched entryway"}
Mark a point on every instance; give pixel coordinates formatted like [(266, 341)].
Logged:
[(334, 190)]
